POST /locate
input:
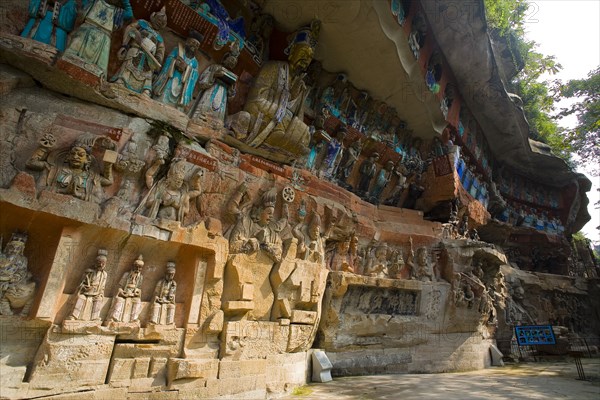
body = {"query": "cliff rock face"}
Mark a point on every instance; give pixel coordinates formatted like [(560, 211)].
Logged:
[(149, 251)]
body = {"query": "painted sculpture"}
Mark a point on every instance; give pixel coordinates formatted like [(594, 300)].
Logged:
[(91, 42), (51, 21), (275, 101), (163, 307), (76, 177), (217, 83), (142, 53), (177, 79)]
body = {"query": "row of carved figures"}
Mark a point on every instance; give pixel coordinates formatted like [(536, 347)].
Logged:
[(144, 68), (127, 304)]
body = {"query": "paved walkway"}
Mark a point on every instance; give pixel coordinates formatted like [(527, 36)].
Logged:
[(522, 381)]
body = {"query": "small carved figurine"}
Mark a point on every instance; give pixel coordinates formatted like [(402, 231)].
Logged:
[(17, 287), (383, 178), (163, 308), (424, 271), (334, 151), (127, 303), (378, 264), (346, 165), (256, 231), (90, 292), (415, 190), (310, 242)]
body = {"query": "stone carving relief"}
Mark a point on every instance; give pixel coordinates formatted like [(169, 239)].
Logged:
[(17, 288), (177, 79), (74, 172), (90, 293), (217, 83), (169, 197), (127, 303), (163, 305), (142, 53)]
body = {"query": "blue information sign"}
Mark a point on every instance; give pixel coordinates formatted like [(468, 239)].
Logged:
[(528, 335)]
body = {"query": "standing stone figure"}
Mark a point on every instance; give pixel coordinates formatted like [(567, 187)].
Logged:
[(142, 53), (383, 178), (367, 171), (334, 151), (127, 303), (346, 165), (217, 82), (90, 42), (377, 264), (175, 83), (90, 292), (424, 271), (163, 309), (17, 287), (310, 242), (51, 21)]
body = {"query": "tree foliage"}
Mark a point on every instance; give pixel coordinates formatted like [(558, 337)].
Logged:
[(506, 19), (584, 139)]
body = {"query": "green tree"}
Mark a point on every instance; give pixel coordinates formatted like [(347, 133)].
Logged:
[(584, 139), (506, 19)]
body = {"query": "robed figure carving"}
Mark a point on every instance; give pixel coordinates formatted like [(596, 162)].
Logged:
[(275, 101)]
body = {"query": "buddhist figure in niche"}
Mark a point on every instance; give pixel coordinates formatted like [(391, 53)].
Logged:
[(142, 53), (90, 292), (17, 287), (275, 101), (127, 303), (163, 309), (75, 177), (256, 231)]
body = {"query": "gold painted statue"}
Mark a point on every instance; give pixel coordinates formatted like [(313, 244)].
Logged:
[(275, 101)]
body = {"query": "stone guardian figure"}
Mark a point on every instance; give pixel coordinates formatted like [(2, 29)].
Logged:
[(175, 83)]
